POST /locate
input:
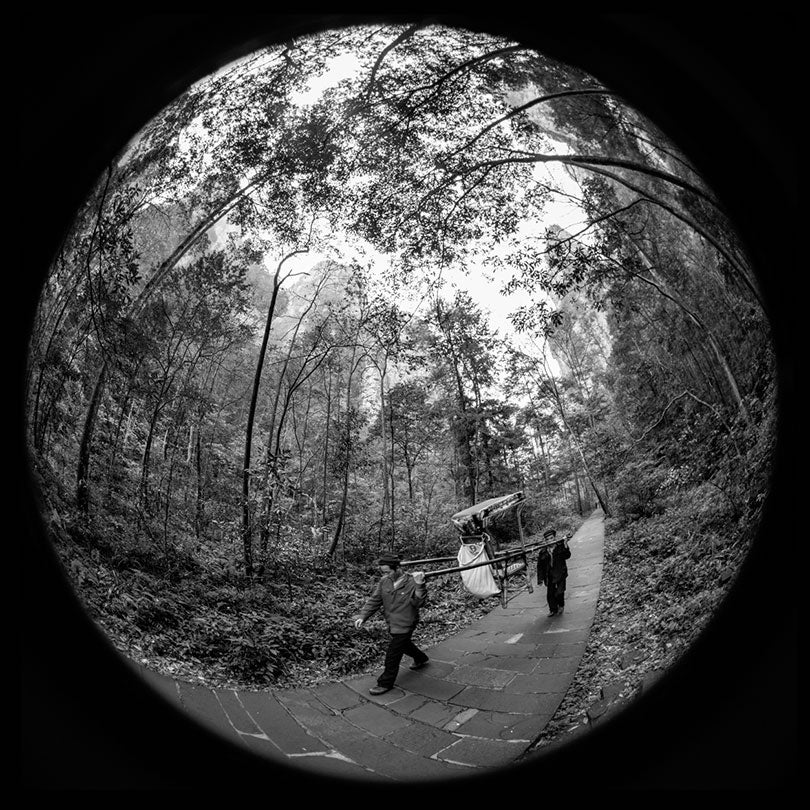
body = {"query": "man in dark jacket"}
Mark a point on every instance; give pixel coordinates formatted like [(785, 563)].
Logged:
[(552, 571), (400, 596)]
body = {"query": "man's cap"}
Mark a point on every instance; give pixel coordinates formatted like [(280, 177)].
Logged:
[(388, 558), (549, 533)]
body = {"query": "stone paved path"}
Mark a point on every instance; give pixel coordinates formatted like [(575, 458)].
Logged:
[(486, 695)]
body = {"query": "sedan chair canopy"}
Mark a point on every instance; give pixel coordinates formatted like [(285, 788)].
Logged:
[(486, 565)]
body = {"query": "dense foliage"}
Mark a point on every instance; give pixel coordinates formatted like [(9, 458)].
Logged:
[(195, 616), (267, 350)]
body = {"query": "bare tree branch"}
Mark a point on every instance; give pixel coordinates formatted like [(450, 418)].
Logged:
[(528, 105), (685, 393), (687, 220), (406, 34)]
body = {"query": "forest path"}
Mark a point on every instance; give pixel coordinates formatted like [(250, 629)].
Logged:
[(487, 694)]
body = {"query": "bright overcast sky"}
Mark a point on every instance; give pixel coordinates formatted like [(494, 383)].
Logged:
[(561, 211)]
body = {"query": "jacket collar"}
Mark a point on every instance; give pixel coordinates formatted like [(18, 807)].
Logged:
[(403, 578)]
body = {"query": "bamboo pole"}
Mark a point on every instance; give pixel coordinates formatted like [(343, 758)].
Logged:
[(518, 552)]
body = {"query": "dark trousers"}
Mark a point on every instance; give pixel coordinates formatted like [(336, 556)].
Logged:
[(399, 645), (555, 594)]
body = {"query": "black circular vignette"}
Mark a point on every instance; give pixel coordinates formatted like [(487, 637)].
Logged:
[(724, 91)]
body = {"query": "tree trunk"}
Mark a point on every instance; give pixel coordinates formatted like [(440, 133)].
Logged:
[(247, 538), (326, 447), (83, 469), (545, 458), (169, 484), (663, 286), (392, 540), (144, 486), (345, 496), (385, 473), (303, 442), (578, 491), (199, 510), (127, 429), (463, 434), (114, 445), (558, 399)]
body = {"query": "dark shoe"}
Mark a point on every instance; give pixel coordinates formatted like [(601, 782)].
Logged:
[(379, 690), (552, 613), (420, 664)]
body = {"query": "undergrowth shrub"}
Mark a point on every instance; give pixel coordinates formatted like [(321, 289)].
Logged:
[(638, 488)]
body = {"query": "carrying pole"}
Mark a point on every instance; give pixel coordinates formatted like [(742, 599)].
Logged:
[(500, 558), (529, 585), (443, 571)]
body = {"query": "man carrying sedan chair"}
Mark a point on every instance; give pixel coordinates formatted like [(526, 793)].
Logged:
[(400, 596), (552, 571)]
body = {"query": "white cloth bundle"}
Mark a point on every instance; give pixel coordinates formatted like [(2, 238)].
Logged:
[(478, 581)]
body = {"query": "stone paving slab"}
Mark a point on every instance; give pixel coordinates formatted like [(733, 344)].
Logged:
[(584, 581), (511, 611), (567, 664), (469, 644), (566, 635), (501, 622), (264, 747), (584, 593), (473, 631), (497, 725), (475, 751), (376, 719), (338, 696), (309, 713), (459, 719), (380, 756), (443, 652), (479, 676), (581, 597), (435, 713), (527, 650), (511, 664), (435, 668), (408, 703), (561, 635), (236, 713), (578, 613), (475, 697), (201, 703), (529, 727), (542, 683), (333, 766), (271, 717), (468, 659), (569, 649), (430, 687), (421, 739), (492, 725), (510, 636)]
